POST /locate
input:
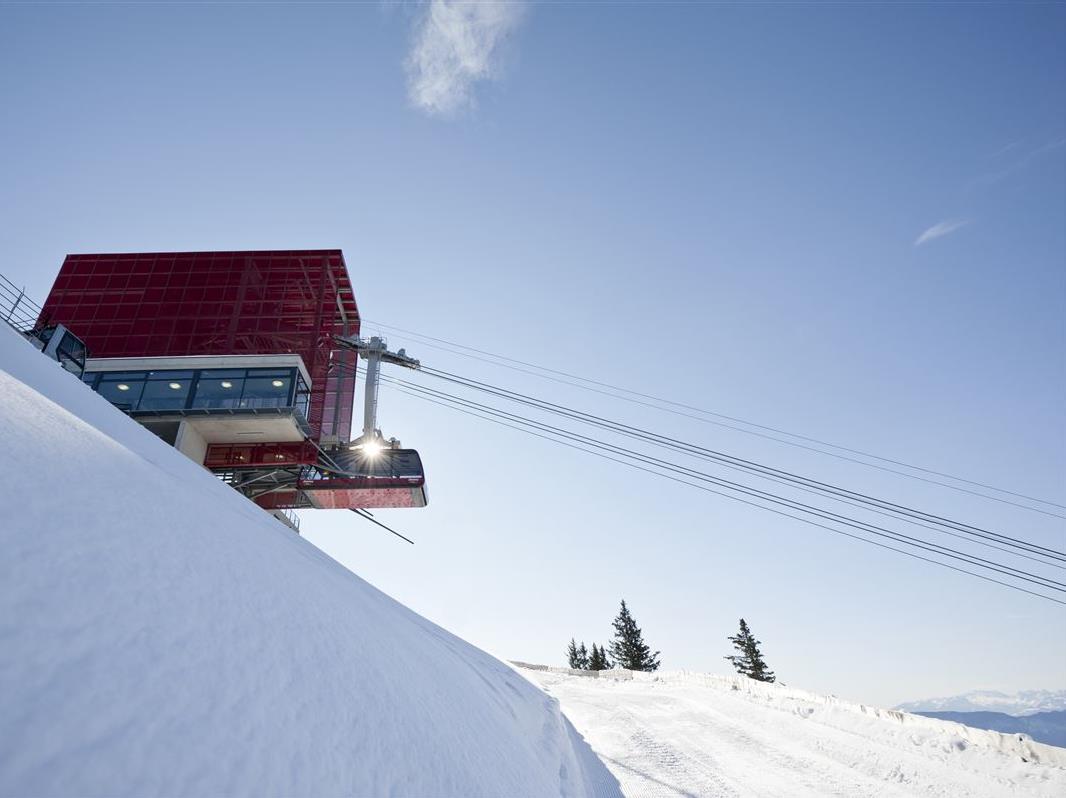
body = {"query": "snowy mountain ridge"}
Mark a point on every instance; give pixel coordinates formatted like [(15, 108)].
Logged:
[(1023, 702), (683, 733), (805, 703)]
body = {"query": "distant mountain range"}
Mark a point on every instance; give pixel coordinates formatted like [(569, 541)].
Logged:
[(1024, 702)]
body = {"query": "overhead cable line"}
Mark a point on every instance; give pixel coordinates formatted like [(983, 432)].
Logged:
[(631, 393), (990, 543), (367, 516), (909, 515), (742, 464), (970, 559), (633, 458)]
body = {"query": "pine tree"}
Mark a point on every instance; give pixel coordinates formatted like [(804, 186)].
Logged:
[(577, 656), (749, 661), (598, 659), (572, 654), (628, 649)]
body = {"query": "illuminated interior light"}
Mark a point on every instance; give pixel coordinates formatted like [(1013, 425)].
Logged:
[(175, 386), (122, 386), (226, 384), (277, 383)]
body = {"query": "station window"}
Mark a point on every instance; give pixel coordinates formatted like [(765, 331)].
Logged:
[(166, 390), (267, 389), (203, 389), (123, 389), (219, 388)]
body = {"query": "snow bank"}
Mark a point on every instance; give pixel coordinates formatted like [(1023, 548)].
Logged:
[(683, 733), (161, 635)]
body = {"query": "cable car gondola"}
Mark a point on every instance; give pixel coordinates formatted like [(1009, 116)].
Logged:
[(373, 472), (367, 476)]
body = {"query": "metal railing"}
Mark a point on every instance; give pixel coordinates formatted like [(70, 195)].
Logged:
[(288, 517), (17, 309)]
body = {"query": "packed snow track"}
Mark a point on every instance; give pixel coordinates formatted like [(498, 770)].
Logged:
[(688, 734)]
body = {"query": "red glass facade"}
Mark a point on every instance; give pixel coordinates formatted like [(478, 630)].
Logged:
[(220, 303)]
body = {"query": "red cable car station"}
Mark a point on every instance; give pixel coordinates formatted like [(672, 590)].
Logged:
[(243, 361)]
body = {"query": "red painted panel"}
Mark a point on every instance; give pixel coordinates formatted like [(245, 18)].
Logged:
[(256, 455), (217, 303), (370, 498)]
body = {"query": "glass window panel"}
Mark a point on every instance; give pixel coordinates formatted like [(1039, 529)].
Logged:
[(170, 375), (122, 376), (218, 390), (165, 394), (121, 393), (303, 396), (267, 392)]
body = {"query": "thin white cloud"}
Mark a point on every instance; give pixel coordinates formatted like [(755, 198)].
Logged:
[(940, 229), (1019, 163), (456, 44)]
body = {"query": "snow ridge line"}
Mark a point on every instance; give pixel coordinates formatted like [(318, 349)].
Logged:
[(805, 703)]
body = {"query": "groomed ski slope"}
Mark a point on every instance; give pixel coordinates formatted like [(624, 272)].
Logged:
[(160, 635), (691, 734)]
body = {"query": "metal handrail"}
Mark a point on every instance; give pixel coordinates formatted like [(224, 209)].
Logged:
[(16, 308)]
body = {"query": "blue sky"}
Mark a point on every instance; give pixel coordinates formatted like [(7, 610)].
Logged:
[(841, 220)]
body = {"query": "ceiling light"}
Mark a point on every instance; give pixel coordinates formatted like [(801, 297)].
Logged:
[(122, 386), (176, 386), (226, 384), (277, 383)]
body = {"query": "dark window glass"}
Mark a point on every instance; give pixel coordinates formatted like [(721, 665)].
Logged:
[(71, 353), (123, 393), (72, 346), (267, 391), (303, 396), (218, 390), (165, 394)]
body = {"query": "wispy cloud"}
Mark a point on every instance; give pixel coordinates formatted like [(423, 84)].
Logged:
[(456, 44), (1020, 162), (940, 229)]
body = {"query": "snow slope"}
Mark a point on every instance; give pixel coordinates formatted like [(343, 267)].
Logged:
[(160, 635), (690, 734), (1044, 727)]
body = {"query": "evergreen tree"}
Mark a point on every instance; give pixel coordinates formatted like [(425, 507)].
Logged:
[(749, 661), (598, 659), (572, 653), (582, 657), (628, 649), (577, 656)]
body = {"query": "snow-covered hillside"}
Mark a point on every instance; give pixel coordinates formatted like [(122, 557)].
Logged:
[(690, 734), (1025, 702), (160, 635)]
